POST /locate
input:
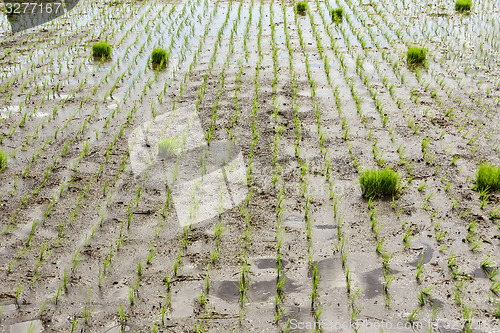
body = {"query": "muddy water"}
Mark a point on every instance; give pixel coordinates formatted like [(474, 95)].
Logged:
[(33, 326)]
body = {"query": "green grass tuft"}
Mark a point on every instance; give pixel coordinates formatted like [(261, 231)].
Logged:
[(3, 160), (488, 177), (159, 56), (379, 182), (166, 147), (415, 55), (337, 14), (301, 6), (101, 50), (463, 5)]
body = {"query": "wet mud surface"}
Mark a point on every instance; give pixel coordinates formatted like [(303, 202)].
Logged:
[(221, 193)]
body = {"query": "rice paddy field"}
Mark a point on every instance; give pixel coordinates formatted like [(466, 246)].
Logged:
[(251, 166)]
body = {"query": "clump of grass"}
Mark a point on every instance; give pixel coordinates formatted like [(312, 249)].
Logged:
[(463, 5), (488, 177), (415, 55), (3, 160), (159, 57), (101, 50), (379, 182), (301, 6), (166, 147), (337, 14)]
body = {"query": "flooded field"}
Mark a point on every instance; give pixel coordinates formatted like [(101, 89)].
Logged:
[(221, 192)]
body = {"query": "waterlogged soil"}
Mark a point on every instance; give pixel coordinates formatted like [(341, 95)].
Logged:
[(99, 234)]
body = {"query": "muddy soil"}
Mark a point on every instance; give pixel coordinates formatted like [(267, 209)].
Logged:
[(252, 218)]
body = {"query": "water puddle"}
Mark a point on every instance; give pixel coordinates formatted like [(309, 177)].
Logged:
[(9, 110), (428, 252), (32, 326), (373, 282), (437, 303), (300, 314), (480, 273), (324, 227), (258, 291), (294, 222), (40, 114), (268, 263), (120, 294), (116, 329), (8, 309)]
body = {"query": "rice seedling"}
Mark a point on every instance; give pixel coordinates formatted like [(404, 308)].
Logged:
[(167, 147), (420, 268), (101, 50), (495, 287), (337, 14), (487, 177), (379, 182), (415, 55), (74, 322), (122, 315), (388, 281), (421, 298), (3, 160), (463, 5), (151, 253), (413, 316), (301, 7), (139, 268), (407, 236), (159, 57)]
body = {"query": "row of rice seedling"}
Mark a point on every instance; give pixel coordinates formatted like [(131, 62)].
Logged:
[(55, 28), (280, 185), (316, 306), (247, 238), (375, 227), (184, 241), (457, 99), (66, 145), (423, 148), (277, 179), (203, 322), (341, 244), (66, 123), (309, 191), (388, 277), (115, 137), (437, 229)]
